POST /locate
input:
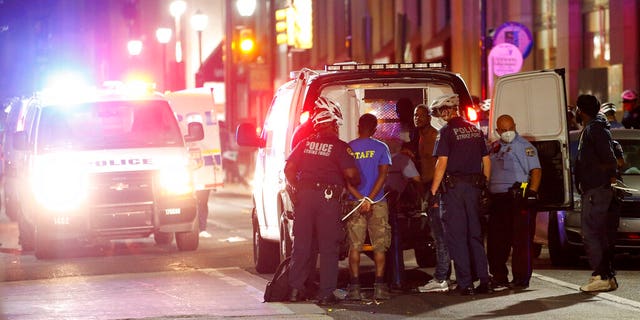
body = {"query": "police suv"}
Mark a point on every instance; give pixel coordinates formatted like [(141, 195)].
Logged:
[(359, 89), (100, 164)]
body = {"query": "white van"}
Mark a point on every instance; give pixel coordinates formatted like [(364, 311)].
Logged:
[(359, 89), (199, 105), (96, 165)]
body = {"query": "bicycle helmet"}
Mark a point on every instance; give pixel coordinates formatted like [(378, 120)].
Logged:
[(326, 111), (448, 101), (608, 107), (629, 95)]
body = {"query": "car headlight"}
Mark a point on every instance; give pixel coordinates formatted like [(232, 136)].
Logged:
[(176, 180), (59, 185)]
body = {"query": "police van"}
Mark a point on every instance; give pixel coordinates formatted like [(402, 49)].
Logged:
[(199, 105), (359, 89), (101, 164)]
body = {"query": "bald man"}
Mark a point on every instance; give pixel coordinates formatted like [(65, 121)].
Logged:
[(515, 178)]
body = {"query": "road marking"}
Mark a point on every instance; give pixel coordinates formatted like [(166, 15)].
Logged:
[(603, 295)]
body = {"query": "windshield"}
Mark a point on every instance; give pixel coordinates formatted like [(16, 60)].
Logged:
[(108, 125)]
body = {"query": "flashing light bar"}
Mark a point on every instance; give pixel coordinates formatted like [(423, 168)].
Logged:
[(386, 66)]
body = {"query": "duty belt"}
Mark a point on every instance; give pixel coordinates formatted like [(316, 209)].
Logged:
[(319, 186)]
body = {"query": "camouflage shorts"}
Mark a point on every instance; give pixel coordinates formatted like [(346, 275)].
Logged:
[(376, 222)]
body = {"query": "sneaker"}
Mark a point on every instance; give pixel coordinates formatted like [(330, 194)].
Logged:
[(381, 291), (205, 234), (597, 285), (500, 286), (435, 286), (353, 292), (484, 287)]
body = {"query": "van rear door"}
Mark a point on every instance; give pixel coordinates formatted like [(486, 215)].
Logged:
[(537, 102)]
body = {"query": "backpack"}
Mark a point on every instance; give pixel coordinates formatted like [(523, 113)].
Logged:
[(278, 289)]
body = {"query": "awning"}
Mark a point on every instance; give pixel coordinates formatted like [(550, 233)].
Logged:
[(439, 47), (212, 68)]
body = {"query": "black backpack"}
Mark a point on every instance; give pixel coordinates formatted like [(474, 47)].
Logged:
[(278, 289)]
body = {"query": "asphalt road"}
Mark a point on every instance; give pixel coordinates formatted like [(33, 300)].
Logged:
[(136, 279)]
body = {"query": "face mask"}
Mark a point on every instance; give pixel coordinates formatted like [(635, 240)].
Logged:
[(438, 123), (508, 136)]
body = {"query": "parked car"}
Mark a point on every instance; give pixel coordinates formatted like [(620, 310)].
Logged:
[(561, 230)]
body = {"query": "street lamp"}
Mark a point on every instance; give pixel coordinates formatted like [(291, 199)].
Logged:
[(163, 35), (246, 8), (199, 22), (176, 9), (134, 47)]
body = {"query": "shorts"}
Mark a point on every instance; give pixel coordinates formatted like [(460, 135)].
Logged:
[(376, 222)]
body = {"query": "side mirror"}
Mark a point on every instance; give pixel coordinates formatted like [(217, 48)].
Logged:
[(246, 136), (195, 132)]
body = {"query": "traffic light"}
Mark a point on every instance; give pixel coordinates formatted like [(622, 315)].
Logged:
[(247, 46)]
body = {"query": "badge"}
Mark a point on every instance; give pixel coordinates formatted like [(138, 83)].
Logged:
[(530, 152)]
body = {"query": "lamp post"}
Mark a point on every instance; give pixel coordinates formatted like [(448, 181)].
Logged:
[(199, 22), (134, 47), (176, 9), (163, 35)]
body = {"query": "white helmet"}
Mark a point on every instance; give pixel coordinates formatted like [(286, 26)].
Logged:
[(608, 107), (326, 110), (629, 95), (447, 101)]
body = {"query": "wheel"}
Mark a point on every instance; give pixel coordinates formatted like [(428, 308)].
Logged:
[(286, 238), (425, 255), (45, 247), (187, 241), (163, 238), (26, 236), (559, 250), (265, 253), (536, 250)]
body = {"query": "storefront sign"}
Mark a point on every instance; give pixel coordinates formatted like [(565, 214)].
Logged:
[(504, 58), (514, 33)]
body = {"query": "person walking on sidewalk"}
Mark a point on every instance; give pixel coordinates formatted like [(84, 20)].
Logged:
[(514, 161), (373, 159), (462, 167), (427, 136), (595, 172), (317, 171)]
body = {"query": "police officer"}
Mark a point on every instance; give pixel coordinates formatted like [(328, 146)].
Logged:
[(318, 169), (463, 166), (512, 216)]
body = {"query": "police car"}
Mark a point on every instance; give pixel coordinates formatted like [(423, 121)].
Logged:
[(359, 89), (100, 164)]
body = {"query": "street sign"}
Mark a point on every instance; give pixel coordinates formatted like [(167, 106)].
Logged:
[(514, 33), (504, 58)]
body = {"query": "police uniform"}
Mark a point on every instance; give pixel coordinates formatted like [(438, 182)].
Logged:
[(465, 146), (511, 223), (320, 160)]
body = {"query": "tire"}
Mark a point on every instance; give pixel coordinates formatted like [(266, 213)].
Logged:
[(26, 236), (163, 238), (560, 252), (45, 247), (286, 240), (536, 250), (425, 256), (187, 241), (265, 253)]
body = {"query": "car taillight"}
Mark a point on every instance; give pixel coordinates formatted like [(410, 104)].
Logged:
[(472, 114)]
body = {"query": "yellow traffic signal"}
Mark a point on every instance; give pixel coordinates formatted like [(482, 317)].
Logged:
[(247, 45)]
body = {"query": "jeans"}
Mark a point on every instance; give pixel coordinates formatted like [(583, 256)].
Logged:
[(443, 261), (597, 220)]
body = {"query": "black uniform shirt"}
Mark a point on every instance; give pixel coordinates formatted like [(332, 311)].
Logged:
[(322, 159), (464, 145)]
